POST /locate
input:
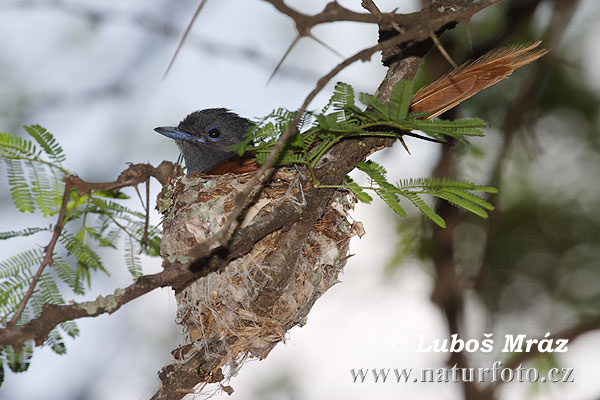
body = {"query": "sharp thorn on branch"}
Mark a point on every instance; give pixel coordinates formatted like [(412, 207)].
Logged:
[(289, 49), (183, 37)]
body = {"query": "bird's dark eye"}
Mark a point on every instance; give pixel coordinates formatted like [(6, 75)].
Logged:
[(214, 134)]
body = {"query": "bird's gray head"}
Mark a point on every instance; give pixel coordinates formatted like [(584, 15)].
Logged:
[(204, 137)]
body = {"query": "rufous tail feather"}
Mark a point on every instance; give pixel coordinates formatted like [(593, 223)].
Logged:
[(472, 77)]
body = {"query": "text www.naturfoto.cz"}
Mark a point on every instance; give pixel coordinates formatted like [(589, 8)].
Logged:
[(455, 374)]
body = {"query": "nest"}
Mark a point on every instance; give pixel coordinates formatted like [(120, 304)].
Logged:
[(245, 310)]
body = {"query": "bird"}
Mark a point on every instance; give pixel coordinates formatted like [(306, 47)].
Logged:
[(205, 136)]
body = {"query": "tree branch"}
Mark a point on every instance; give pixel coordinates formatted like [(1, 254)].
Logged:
[(418, 33), (176, 275), (49, 251), (347, 154)]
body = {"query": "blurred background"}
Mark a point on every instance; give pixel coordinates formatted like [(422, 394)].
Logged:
[(91, 73)]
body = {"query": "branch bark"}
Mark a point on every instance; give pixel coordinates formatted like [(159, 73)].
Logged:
[(403, 64), (346, 155)]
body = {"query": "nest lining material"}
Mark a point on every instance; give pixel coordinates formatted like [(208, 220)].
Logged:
[(247, 309)]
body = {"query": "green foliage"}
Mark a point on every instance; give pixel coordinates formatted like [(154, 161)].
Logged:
[(381, 186), (358, 191), (132, 258), (22, 233), (36, 180), (47, 142), (15, 276), (341, 119), (87, 259), (19, 362), (455, 191)]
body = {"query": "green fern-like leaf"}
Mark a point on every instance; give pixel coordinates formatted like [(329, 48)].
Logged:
[(385, 190), (471, 197), (55, 341), (16, 147), (455, 128), (462, 203), (137, 230), (375, 106), (70, 328), (68, 275), (306, 121), (22, 233), (19, 362), (375, 171), (116, 210), (425, 209), (387, 194), (20, 191), (46, 292), (49, 290), (342, 99), (47, 142), (391, 199), (47, 189), (108, 241), (400, 100), (132, 258), (87, 259), (15, 277), (20, 263), (33, 180), (360, 194), (433, 184)]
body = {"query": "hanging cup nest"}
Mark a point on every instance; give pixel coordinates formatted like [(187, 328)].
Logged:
[(245, 310)]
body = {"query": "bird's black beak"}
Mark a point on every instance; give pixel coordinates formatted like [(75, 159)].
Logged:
[(174, 133)]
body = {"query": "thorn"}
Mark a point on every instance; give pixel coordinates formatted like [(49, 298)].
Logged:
[(404, 144), (310, 35), (289, 49), (442, 50), (183, 37), (398, 28)]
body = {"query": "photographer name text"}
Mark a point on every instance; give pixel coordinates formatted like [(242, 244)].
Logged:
[(510, 344)]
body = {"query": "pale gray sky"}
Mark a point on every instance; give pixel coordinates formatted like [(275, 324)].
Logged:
[(56, 64)]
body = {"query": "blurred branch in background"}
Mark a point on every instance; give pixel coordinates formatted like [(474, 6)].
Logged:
[(536, 247), (52, 310), (163, 29), (537, 253)]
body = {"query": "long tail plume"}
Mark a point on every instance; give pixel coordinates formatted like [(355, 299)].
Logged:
[(472, 77)]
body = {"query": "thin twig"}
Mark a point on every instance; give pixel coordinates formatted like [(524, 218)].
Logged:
[(223, 235), (48, 250), (144, 240), (139, 195), (179, 275), (371, 7), (176, 275), (133, 175)]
